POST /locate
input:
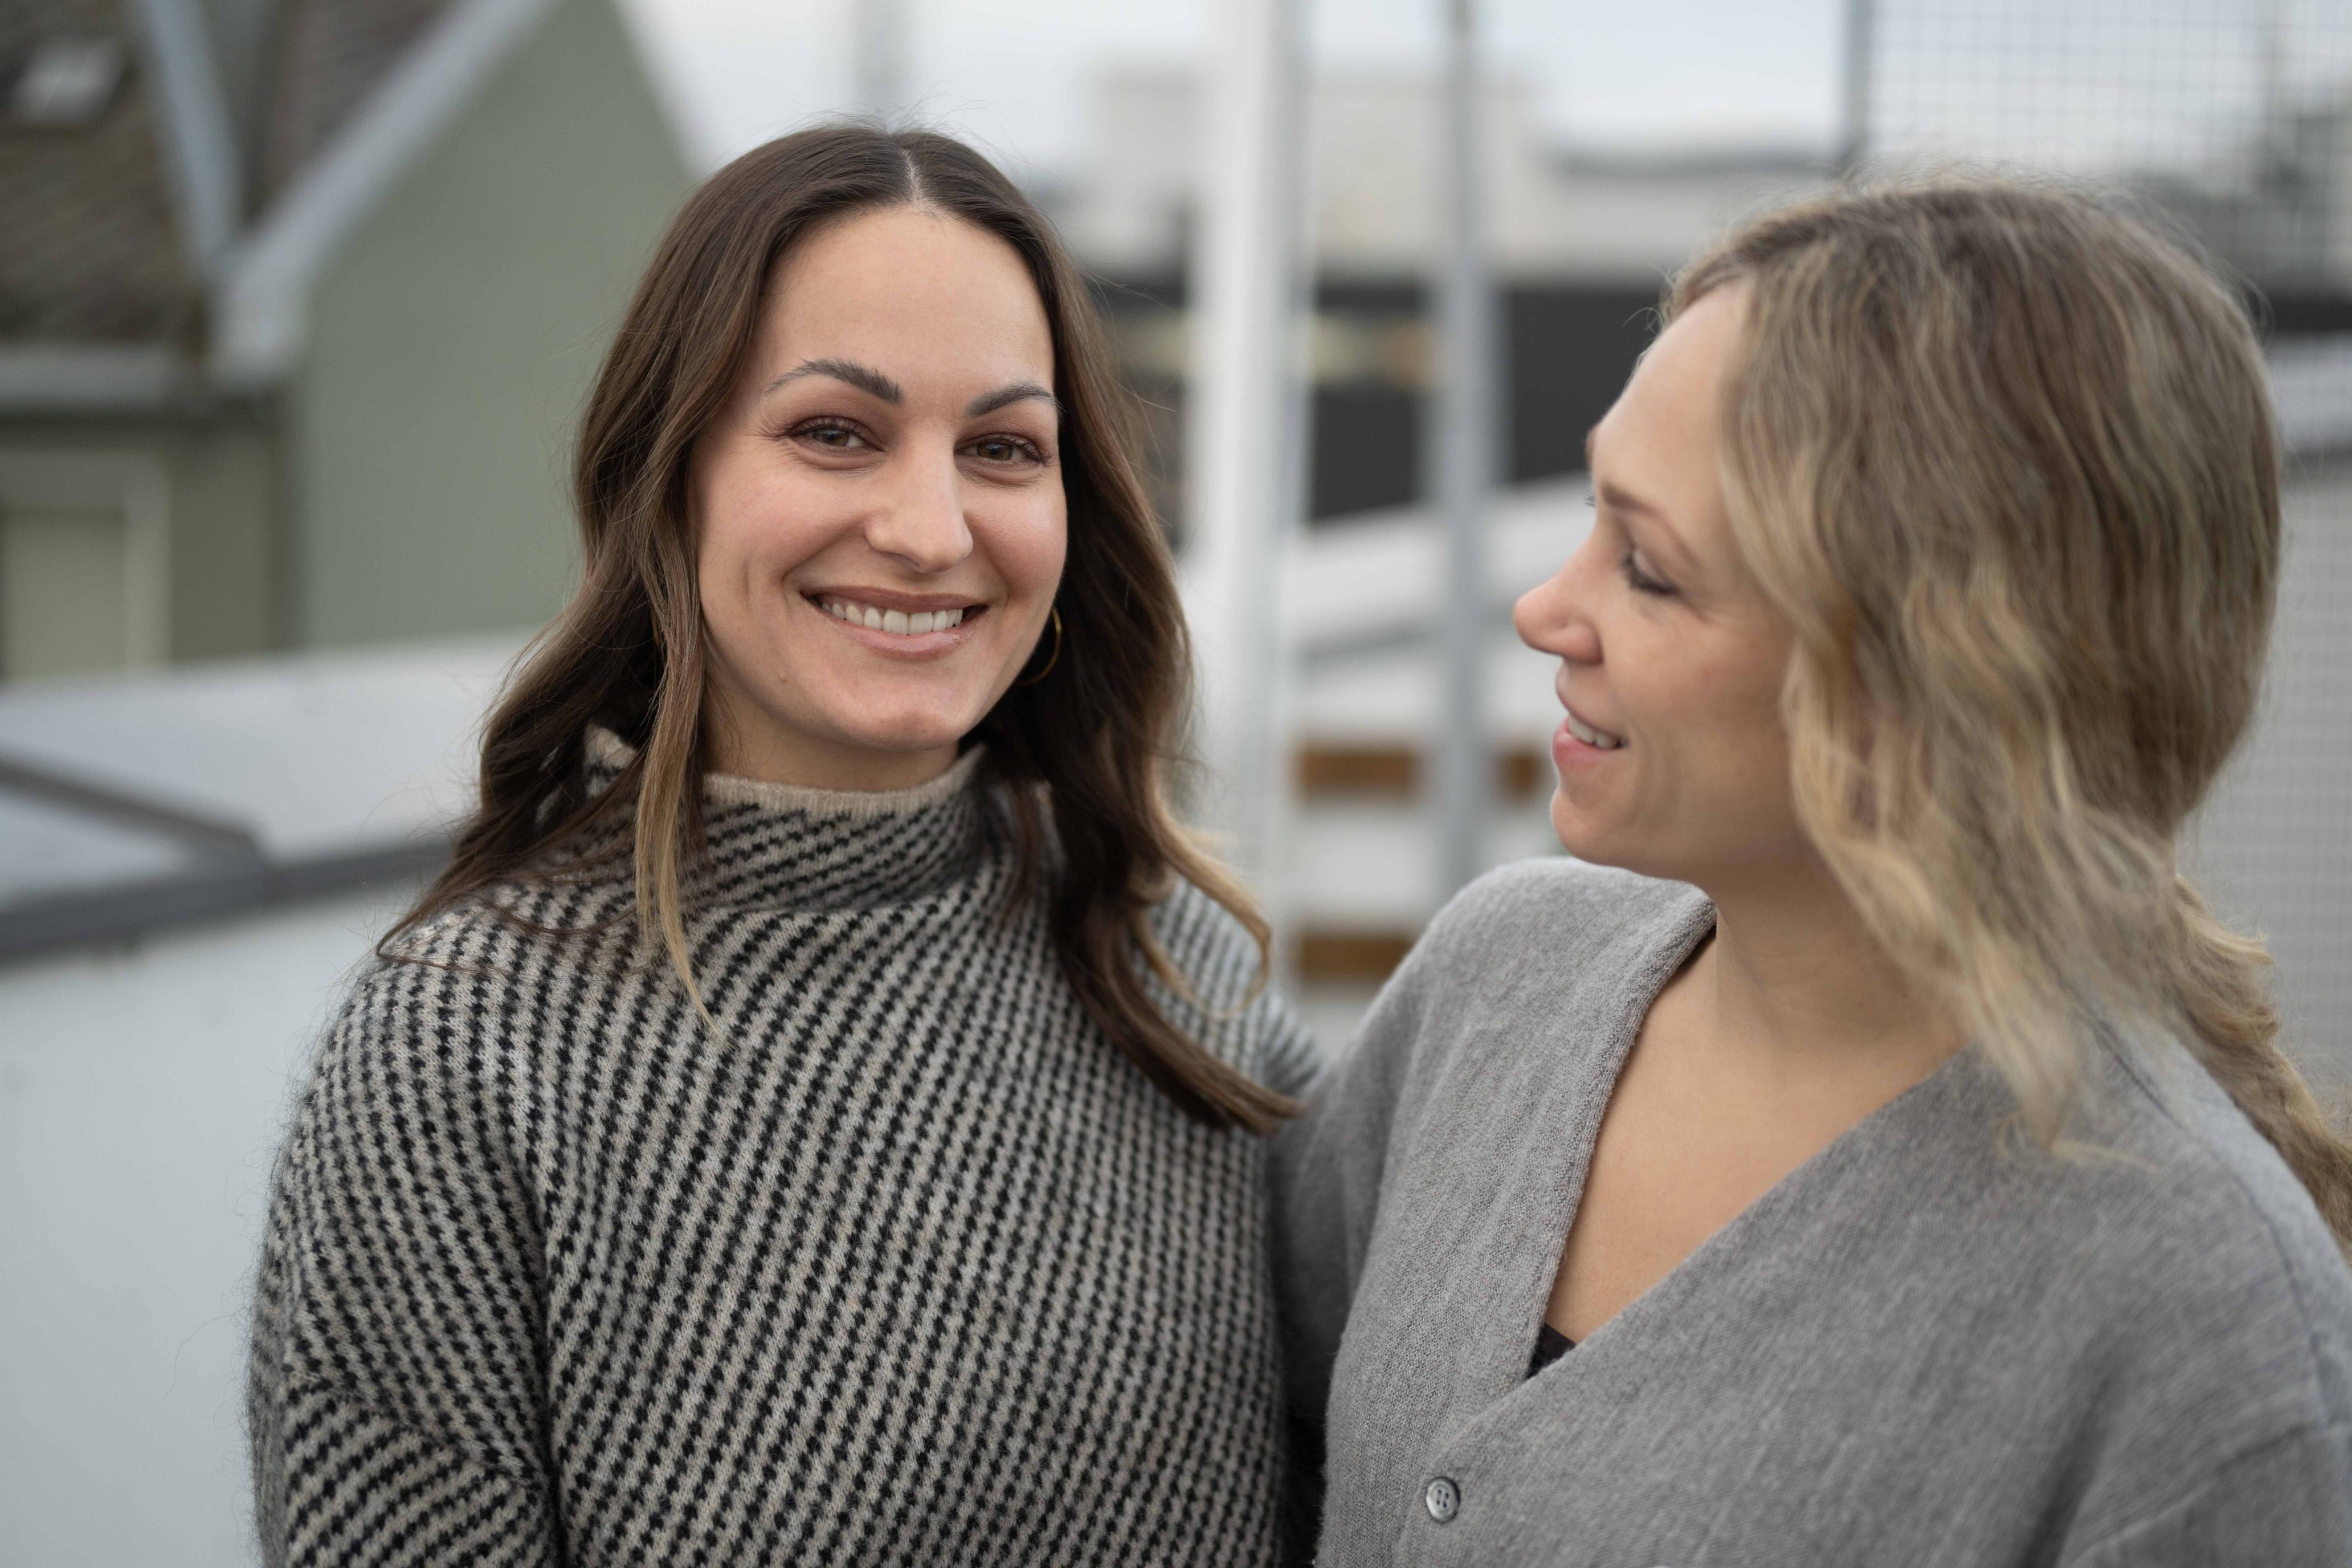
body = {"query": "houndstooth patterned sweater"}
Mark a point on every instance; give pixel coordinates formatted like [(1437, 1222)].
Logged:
[(911, 1266)]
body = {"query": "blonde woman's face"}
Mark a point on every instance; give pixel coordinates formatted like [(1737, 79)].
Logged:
[(879, 519), (1671, 756)]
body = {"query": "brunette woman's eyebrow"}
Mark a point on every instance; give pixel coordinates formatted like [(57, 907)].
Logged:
[(863, 377), (873, 382), (1016, 392)]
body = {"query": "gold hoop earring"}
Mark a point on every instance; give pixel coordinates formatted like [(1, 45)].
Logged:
[(1051, 659)]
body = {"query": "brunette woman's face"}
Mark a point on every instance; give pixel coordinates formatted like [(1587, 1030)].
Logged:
[(1672, 759), (879, 513)]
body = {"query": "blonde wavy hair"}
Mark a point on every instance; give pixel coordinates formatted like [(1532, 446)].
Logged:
[(2007, 461)]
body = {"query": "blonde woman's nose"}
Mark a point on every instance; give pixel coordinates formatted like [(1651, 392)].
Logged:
[(1551, 617)]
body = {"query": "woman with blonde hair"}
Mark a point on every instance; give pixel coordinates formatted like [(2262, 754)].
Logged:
[(1875, 1153), (809, 1119)]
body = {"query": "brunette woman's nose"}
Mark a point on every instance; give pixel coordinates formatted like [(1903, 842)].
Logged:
[(920, 520)]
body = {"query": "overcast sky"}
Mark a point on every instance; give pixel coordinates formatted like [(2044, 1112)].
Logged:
[(2096, 85), (1009, 73)]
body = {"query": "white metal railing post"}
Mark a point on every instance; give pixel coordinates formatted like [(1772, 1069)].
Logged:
[(1463, 764), (1854, 108), (1243, 418)]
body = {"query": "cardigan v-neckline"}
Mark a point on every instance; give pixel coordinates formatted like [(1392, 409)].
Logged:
[(1586, 1097), (2109, 1332)]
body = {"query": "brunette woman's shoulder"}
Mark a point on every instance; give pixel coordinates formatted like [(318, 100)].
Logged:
[(1232, 1007), (420, 1019), (445, 1027), (413, 1123), (461, 972), (1208, 945)]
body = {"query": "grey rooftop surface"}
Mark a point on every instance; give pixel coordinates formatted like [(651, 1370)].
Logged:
[(128, 804)]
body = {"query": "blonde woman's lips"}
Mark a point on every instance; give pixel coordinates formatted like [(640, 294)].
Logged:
[(1591, 734)]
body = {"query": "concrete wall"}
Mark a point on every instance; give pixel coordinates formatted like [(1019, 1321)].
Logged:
[(143, 1093), (454, 340)]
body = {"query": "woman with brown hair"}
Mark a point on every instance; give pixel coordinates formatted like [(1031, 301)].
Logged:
[(809, 1119), (1875, 1154)]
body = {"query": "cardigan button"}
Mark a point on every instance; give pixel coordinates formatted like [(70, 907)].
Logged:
[(1442, 1499)]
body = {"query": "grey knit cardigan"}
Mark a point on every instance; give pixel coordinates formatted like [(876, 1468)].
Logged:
[(1932, 1346), (908, 1265)]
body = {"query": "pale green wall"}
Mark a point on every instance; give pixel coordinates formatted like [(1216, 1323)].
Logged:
[(453, 342), (227, 542)]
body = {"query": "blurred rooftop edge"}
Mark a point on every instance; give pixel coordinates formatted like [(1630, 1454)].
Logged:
[(136, 803)]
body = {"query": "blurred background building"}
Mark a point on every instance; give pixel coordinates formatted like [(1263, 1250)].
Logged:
[(299, 299), (296, 301)]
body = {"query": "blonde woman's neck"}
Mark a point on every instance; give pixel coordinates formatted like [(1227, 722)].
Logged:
[(1795, 985)]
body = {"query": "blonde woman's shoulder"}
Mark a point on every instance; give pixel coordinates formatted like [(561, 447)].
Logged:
[(2219, 1194), (2206, 1310), (1566, 909)]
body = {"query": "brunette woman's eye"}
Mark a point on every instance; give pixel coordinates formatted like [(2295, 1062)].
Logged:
[(832, 434), (1004, 449), (1640, 581)]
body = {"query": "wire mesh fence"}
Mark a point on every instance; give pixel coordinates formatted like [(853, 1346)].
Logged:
[(2234, 117), (2237, 114)]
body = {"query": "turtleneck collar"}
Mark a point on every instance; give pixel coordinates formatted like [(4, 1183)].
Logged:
[(771, 846)]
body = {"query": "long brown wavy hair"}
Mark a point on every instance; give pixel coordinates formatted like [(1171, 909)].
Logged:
[(1082, 756), (2006, 458)]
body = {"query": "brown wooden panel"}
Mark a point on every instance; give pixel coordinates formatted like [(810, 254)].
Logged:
[(1350, 957), (1334, 770), (1522, 773)]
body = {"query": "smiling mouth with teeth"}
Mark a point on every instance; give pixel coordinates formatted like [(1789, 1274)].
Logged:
[(897, 622), (1600, 740)]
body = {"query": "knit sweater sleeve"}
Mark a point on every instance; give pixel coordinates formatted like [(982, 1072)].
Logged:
[(397, 1393), (1227, 1002)]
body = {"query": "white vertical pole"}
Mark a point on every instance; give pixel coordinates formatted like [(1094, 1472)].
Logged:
[(2272, 19), (1462, 759), (1243, 424), (2285, 228), (1853, 112)]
